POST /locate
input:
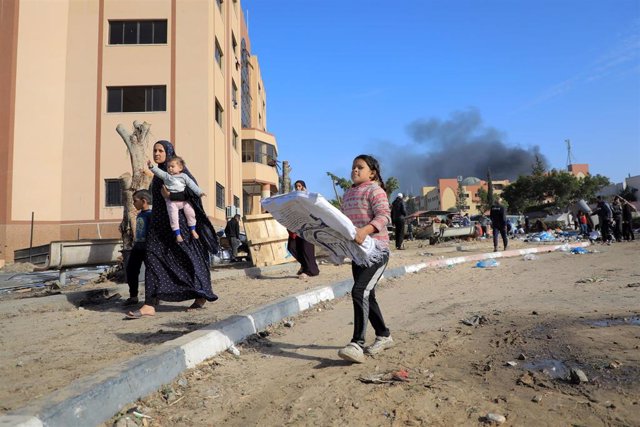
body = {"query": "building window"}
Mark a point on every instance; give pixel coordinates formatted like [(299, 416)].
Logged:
[(236, 201), (234, 139), (219, 196), (258, 152), (234, 44), (113, 192), (219, 111), (138, 32), (129, 99), (218, 54), (234, 94), (245, 93)]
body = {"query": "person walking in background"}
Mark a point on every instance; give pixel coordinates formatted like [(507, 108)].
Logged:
[(605, 217), (142, 201), (304, 252), (367, 206), (398, 212), (232, 231), (616, 211), (498, 217), (584, 226), (176, 272), (627, 219), (410, 226), (484, 223)]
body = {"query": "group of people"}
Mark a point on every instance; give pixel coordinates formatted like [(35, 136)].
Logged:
[(615, 219), (174, 239)]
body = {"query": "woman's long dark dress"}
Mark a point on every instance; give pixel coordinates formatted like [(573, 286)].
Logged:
[(304, 252), (176, 271)]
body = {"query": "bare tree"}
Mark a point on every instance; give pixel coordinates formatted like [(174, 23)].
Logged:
[(137, 143)]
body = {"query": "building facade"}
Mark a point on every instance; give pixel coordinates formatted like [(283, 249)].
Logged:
[(444, 196), (73, 70)]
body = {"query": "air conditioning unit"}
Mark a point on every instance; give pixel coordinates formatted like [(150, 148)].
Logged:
[(231, 211)]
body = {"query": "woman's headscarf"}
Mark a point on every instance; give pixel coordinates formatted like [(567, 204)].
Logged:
[(204, 227), (171, 152)]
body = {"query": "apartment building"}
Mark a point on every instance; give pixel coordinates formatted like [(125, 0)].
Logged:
[(73, 70), (444, 196)]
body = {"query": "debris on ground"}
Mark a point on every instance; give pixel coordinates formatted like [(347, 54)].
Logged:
[(592, 279), (475, 320), (579, 251), (401, 375), (487, 263), (234, 350), (495, 418), (577, 376)]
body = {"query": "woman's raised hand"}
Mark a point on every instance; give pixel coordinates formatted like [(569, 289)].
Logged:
[(165, 192)]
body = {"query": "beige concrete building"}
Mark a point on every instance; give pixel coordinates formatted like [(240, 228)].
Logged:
[(71, 71), (444, 196)]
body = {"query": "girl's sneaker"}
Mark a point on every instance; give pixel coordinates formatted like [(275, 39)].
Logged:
[(381, 343), (352, 352)]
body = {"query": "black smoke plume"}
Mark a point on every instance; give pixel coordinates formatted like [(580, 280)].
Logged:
[(459, 146)]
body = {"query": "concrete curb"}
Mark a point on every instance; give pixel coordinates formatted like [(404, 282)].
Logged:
[(96, 398)]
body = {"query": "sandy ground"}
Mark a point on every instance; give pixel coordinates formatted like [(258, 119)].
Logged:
[(457, 373), (47, 342), (544, 316)]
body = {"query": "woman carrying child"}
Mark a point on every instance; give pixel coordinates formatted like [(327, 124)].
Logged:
[(176, 181), (176, 272), (367, 206)]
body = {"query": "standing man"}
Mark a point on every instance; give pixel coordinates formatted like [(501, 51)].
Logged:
[(498, 217), (232, 231), (398, 212), (605, 218), (616, 209), (627, 219)]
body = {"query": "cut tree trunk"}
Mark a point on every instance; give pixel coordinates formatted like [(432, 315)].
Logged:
[(137, 143), (286, 177)]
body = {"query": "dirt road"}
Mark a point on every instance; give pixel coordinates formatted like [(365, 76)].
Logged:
[(45, 343), (534, 321)]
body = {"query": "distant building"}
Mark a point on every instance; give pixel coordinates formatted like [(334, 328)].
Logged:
[(444, 195), (579, 170), (617, 188), (72, 70)]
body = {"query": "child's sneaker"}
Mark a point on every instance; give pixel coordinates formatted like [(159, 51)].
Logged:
[(352, 352), (381, 343)]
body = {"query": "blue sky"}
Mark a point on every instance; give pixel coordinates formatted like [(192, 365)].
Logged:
[(451, 87)]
